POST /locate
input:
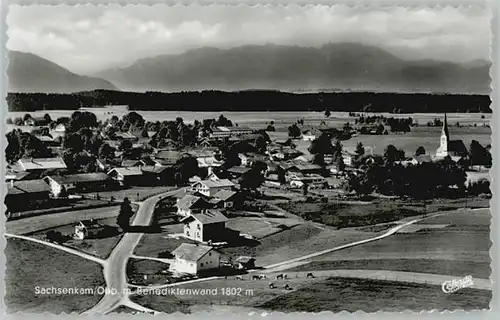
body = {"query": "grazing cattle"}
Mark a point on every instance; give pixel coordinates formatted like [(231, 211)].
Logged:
[(279, 276), (239, 278), (287, 287), (310, 275), (271, 285), (262, 276), (255, 277), (285, 276)]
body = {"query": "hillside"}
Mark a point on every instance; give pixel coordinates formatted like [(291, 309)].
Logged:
[(30, 73), (338, 66)]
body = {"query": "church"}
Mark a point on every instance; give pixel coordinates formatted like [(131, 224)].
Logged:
[(447, 147)]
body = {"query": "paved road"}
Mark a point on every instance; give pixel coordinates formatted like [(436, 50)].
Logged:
[(59, 247), (115, 269)]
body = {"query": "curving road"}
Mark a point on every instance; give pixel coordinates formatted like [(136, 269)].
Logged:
[(115, 268)]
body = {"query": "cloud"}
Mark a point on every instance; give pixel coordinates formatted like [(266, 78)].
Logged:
[(86, 39)]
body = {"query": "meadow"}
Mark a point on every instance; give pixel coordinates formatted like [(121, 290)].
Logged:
[(48, 267)]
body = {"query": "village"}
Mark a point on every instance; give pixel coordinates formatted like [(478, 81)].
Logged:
[(216, 175)]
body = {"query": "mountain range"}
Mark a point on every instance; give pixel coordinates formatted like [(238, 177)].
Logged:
[(30, 73), (339, 66)]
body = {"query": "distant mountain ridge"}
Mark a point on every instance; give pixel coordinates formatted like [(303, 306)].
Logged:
[(30, 73), (335, 65)]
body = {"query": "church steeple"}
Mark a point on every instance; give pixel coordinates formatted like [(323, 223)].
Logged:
[(445, 132)]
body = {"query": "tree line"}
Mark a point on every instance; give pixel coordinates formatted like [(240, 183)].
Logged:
[(254, 100)]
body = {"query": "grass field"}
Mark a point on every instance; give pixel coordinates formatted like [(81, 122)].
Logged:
[(461, 246), (353, 295), (29, 265), (457, 268)]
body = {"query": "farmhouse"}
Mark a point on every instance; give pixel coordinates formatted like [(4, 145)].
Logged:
[(449, 147), (83, 182), (190, 204), (156, 174), (25, 195), (226, 199), (88, 229), (311, 180), (244, 263), (193, 258), (204, 226), (237, 172), (40, 164), (126, 176), (210, 187), (227, 132)]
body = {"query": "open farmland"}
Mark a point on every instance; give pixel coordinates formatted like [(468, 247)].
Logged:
[(48, 267), (340, 294), (463, 237)]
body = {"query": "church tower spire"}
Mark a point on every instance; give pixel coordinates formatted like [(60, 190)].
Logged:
[(445, 139)]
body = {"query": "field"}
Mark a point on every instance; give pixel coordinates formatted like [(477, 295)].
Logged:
[(352, 295), (459, 245), (29, 265), (47, 222)]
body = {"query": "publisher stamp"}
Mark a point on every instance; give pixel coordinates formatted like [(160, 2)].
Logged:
[(457, 284)]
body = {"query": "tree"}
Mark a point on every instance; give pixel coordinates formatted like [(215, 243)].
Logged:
[(323, 145), (26, 116), (144, 133), (271, 128), (47, 118), (8, 121), (126, 145), (420, 150), (124, 215), (328, 113), (294, 131), (106, 151), (360, 149), (479, 155), (392, 154)]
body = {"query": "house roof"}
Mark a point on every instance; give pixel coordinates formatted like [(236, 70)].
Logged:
[(208, 162), (457, 146), (170, 156), (239, 170), (224, 194), (12, 175), (91, 224), (81, 177), (129, 171), (244, 259), (154, 169), (423, 158), (231, 129), (191, 252), (28, 186), (44, 138), (42, 163), (217, 183), (189, 201), (131, 163), (206, 217)]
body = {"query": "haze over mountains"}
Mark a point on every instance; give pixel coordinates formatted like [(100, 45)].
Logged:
[(343, 66), (30, 73)]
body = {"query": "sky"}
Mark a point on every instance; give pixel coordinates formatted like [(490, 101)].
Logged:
[(88, 39)]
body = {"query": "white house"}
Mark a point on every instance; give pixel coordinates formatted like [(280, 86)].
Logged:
[(211, 187), (87, 229), (205, 226), (193, 258)]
